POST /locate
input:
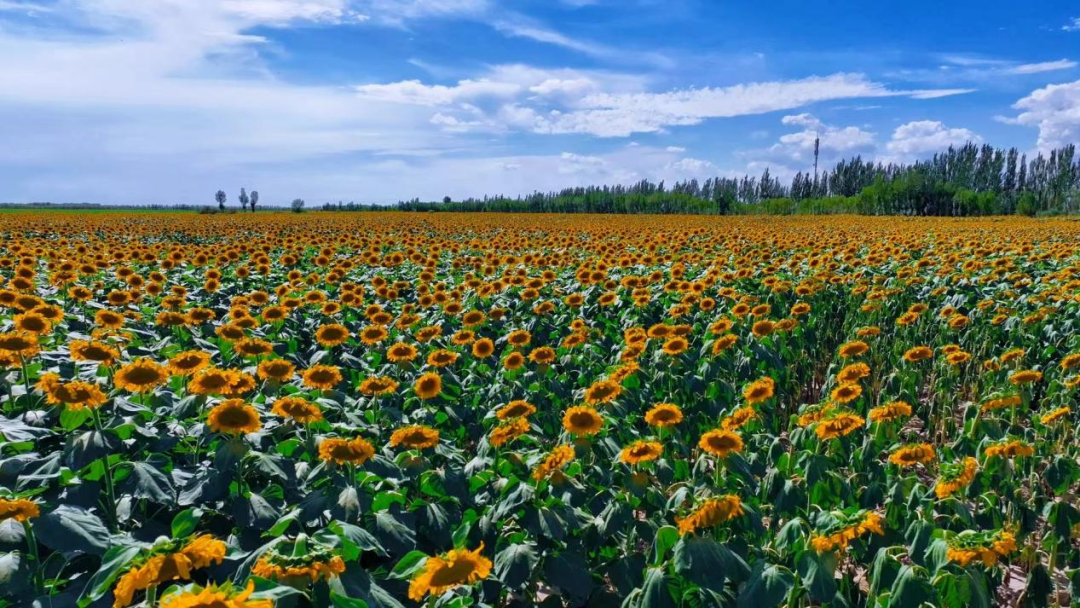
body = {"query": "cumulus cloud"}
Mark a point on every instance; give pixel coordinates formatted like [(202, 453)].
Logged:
[(797, 149), (694, 167), (925, 136), (1055, 111), (415, 92), (1072, 26)]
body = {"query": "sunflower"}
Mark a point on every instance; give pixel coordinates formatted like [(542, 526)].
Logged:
[(603, 391), (19, 344), (332, 334), (763, 328), (324, 377), (723, 343), (189, 362), (442, 573), (711, 513), (516, 409), (956, 477), (838, 423), (542, 355), (738, 419), (428, 386), (514, 361), (664, 415), (216, 596), (1026, 376), (508, 430), (841, 535), (253, 347), (278, 370), (675, 346), (759, 391), (169, 561), (958, 357), (1070, 361), (441, 358), (853, 373), (641, 451), (416, 437), (32, 323), (234, 417), (987, 548), (346, 451), (97, 352), (518, 338), (140, 376), (1009, 448), (890, 412), (483, 348), (558, 458), (911, 455), (306, 563), (1000, 403), (212, 381), (918, 353), (853, 349), (582, 420), (19, 509), (846, 393), (109, 319), (401, 352), (298, 409), (76, 395), (719, 442), (1055, 415), (378, 385), (373, 334)]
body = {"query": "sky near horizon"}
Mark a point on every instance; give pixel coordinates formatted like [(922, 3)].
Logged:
[(167, 101)]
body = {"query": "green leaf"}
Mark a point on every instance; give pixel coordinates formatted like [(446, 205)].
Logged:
[(114, 562), (71, 529), (767, 587), (409, 565), (707, 563), (654, 593), (910, 589), (185, 522), (514, 565), (817, 571), (666, 538), (358, 584), (146, 481)]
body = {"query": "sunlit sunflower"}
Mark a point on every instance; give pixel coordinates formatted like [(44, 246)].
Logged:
[(918, 353), (416, 437), (911, 455), (956, 477), (32, 323), (324, 377), (515, 409), (189, 362), (332, 334), (719, 442), (428, 386), (303, 563), (664, 415), (641, 451), (514, 361), (277, 370), (19, 509), (298, 409), (483, 348), (603, 391), (140, 376), (853, 373), (582, 420), (216, 596), (838, 423), (759, 391), (542, 355), (711, 513), (109, 319), (443, 573), (377, 385), (853, 349), (97, 352), (234, 417), (1055, 415), (346, 451), (373, 334), (508, 430), (441, 358), (889, 412), (212, 381), (401, 352), (846, 393), (19, 344), (253, 347), (1026, 376)]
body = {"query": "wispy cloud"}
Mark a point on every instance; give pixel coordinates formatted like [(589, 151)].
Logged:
[(1072, 26)]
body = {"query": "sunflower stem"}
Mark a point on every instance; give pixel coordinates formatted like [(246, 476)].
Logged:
[(31, 541), (110, 489)]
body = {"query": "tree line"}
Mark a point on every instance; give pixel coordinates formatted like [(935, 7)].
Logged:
[(961, 181)]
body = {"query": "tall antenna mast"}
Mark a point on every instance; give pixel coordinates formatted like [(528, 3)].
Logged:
[(817, 149)]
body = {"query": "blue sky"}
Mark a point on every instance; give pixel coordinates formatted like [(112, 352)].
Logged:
[(165, 101)]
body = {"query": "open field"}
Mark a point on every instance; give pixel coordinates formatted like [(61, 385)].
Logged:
[(395, 409)]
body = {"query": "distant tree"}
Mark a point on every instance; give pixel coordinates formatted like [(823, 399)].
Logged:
[(298, 205), (446, 200), (220, 198), (243, 199), (254, 199)]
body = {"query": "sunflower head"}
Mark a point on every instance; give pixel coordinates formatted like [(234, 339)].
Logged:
[(443, 573), (428, 386), (140, 376), (234, 417), (582, 421), (416, 437)]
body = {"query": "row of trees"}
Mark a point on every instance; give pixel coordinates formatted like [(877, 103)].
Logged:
[(244, 198), (965, 180)]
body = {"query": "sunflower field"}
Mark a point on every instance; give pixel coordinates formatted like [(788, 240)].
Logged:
[(392, 409)]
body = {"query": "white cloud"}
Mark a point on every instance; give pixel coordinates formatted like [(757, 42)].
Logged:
[(692, 167), (415, 92), (620, 115), (1072, 26), (925, 136), (676, 149), (578, 163), (1055, 111), (23, 7), (797, 149), (1038, 68)]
